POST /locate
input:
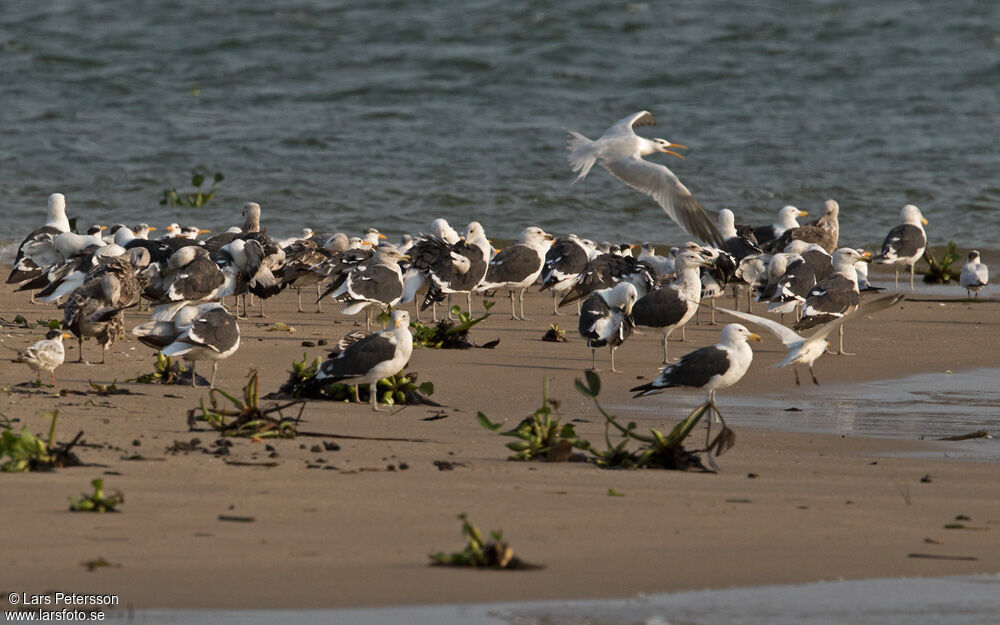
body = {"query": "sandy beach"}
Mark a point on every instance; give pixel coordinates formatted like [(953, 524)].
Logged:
[(356, 529)]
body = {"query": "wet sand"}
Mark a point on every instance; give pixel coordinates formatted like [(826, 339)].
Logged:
[(821, 506)]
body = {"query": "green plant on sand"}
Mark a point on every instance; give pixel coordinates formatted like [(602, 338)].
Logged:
[(540, 435), (478, 553), (449, 334), (97, 501), (24, 451), (246, 417), (939, 270), (196, 199)]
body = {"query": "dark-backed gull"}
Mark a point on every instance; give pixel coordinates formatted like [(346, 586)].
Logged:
[(605, 319), (670, 306), (787, 219), (518, 266), (197, 332), (905, 244), (709, 368), (374, 357), (835, 296)]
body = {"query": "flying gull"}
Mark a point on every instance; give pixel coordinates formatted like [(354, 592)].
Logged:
[(619, 150)]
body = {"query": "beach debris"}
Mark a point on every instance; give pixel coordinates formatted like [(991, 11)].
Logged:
[(97, 563), (926, 479), (447, 465), (236, 518), (614, 493), (401, 388), (105, 390), (555, 335), (246, 417), (939, 270), (934, 556), (540, 435), (965, 437), (196, 199), (448, 334), (280, 326), (167, 370), (24, 451), (497, 554), (97, 501)]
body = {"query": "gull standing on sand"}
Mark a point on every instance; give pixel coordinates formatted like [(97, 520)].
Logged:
[(709, 368), (45, 355), (39, 243), (606, 319), (563, 262), (805, 351), (197, 332), (975, 275), (671, 306), (787, 219), (619, 150), (378, 281), (835, 296), (905, 244), (824, 232), (518, 266), (374, 357)]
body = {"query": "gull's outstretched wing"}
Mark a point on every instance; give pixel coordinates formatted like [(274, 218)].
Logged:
[(786, 335), (663, 186)]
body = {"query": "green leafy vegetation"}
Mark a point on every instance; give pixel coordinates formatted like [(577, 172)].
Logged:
[(478, 553), (542, 437), (97, 501), (166, 370), (246, 417), (23, 451), (939, 269), (447, 333), (196, 199)]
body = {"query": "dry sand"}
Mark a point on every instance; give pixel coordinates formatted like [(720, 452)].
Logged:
[(821, 506)]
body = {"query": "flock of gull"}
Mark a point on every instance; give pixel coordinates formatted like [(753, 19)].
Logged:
[(183, 278)]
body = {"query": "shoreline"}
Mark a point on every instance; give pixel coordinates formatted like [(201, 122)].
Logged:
[(822, 506)]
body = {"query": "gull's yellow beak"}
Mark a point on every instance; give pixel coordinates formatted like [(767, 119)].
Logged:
[(924, 221), (66, 335), (803, 214), (103, 228), (382, 236), (754, 337), (152, 228), (676, 145), (548, 237), (405, 257), (203, 231), (368, 243)]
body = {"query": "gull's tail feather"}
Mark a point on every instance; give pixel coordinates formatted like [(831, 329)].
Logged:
[(581, 157)]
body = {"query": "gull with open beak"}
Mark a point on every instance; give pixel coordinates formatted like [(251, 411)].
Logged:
[(619, 150)]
